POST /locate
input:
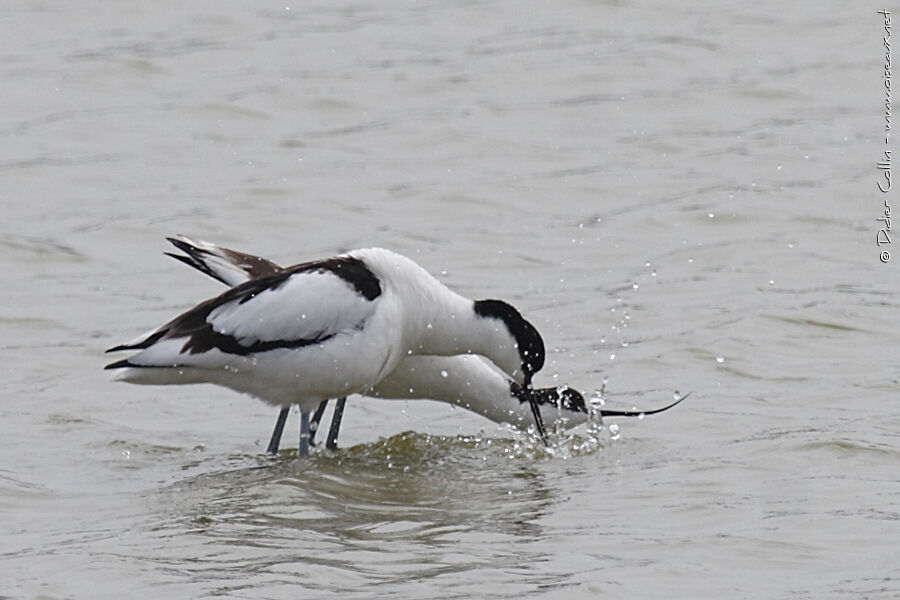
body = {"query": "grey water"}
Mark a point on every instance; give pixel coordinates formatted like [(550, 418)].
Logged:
[(680, 195)]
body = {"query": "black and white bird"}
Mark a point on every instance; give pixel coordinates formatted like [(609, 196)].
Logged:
[(467, 381), (471, 382), (325, 329)]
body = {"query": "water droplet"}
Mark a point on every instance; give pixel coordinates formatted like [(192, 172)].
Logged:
[(429, 326), (778, 167), (126, 454), (612, 357), (711, 215), (444, 374), (720, 359), (647, 264), (614, 431), (771, 282), (634, 286), (653, 273)]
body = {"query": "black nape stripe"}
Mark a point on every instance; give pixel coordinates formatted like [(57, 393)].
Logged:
[(531, 345)]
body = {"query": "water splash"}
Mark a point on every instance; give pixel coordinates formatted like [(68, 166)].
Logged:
[(614, 431), (595, 418)]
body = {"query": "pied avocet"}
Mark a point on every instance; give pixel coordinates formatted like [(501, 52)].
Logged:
[(328, 328)]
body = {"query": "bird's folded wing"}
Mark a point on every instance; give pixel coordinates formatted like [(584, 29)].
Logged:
[(304, 305)]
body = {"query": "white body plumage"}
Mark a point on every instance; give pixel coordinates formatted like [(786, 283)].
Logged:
[(328, 329), (472, 383)]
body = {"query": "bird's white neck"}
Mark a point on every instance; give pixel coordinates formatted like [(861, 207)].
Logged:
[(438, 321), (470, 383), (445, 324)]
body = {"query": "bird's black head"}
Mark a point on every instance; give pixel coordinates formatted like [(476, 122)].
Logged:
[(561, 397), (528, 340)]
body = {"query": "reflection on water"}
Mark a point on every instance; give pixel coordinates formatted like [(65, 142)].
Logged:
[(407, 508)]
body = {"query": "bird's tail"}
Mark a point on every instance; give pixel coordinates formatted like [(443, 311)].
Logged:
[(228, 266)]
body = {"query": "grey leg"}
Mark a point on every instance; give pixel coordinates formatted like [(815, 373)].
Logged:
[(279, 428), (538, 420), (314, 422), (304, 434), (335, 428)]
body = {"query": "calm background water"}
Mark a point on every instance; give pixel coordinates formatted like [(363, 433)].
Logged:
[(680, 195)]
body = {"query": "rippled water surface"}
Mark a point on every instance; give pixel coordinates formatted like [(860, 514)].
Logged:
[(681, 196)]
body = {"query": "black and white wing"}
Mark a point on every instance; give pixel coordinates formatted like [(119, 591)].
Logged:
[(296, 307), (228, 266)]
